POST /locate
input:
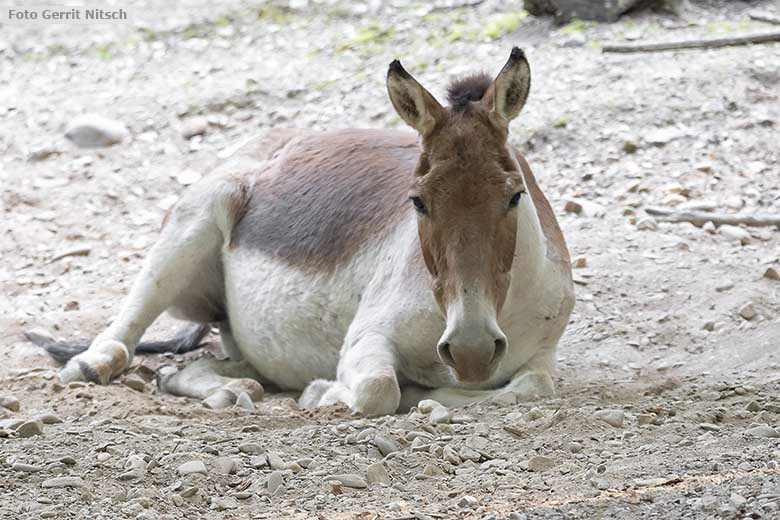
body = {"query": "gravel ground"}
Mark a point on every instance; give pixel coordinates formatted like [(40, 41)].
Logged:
[(669, 385)]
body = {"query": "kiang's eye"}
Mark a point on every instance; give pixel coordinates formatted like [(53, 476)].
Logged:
[(515, 199), (419, 205)]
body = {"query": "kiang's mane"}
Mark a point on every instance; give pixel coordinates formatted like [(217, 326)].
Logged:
[(463, 91)]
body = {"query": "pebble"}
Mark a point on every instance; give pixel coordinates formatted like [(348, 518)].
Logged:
[(193, 466), (771, 273), (9, 402), (258, 461), (427, 405), (224, 503), (645, 419), (103, 457), (177, 500), (734, 234), (95, 131), (647, 224), (515, 515), (30, 428), (136, 383), (747, 311), (611, 417), (725, 285), (349, 480), (451, 456), (274, 482), (68, 460), (49, 418), (763, 431), (440, 415), (540, 463), (738, 500), (376, 473), (225, 465), (709, 427), (250, 448), (276, 461), (245, 402), (386, 445), (579, 262), (27, 468), (194, 126), (584, 207), (468, 502), (63, 482), (753, 406)]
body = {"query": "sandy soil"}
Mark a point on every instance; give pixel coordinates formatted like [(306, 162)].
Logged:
[(657, 340)]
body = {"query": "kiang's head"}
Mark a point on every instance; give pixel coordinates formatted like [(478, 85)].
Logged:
[(466, 190)]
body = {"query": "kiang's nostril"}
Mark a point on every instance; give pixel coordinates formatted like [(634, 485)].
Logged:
[(500, 348), (445, 354)]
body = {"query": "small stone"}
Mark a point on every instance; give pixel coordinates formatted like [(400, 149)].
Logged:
[(468, 502), (580, 262), (224, 503), (725, 285), (49, 418), (540, 463), (440, 415), (103, 457), (738, 500), (258, 461), (276, 461), (584, 207), (518, 516), (747, 311), (250, 448), (349, 480), (135, 382), (245, 402), (630, 146), (432, 470), (30, 428), (225, 465), (26, 468), (192, 467), (9, 402), (645, 419), (734, 234), (573, 39), (647, 224), (709, 427), (63, 482), (274, 482), (575, 447), (95, 131), (451, 456), (427, 405), (611, 417), (386, 445), (376, 473), (194, 126), (662, 136), (753, 406), (177, 500), (68, 460), (771, 274), (763, 431)]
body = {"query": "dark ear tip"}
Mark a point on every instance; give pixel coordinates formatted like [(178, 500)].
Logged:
[(516, 54), (395, 66)]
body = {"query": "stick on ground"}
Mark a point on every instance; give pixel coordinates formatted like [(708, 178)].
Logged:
[(765, 17), (699, 218), (751, 39)]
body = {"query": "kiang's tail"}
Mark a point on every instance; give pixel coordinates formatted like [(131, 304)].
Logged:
[(189, 338)]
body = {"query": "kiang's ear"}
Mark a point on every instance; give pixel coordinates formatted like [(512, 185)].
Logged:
[(507, 94), (415, 105)]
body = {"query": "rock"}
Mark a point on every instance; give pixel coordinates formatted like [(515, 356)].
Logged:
[(738, 500), (468, 502), (630, 146), (663, 136), (645, 419), (753, 406), (518, 516), (225, 465), (30, 428), (49, 418), (349, 480), (386, 445), (611, 417), (709, 427), (135, 382), (43, 153), (647, 224), (68, 460), (584, 207), (192, 467), (747, 311), (245, 402), (224, 503), (103, 457), (427, 405), (432, 470), (771, 274), (734, 234), (177, 500), (573, 39), (763, 431), (258, 461), (194, 126), (376, 473), (725, 285), (579, 262), (540, 463), (250, 448), (95, 131), (451, 456), (26, 468), (9, 402), (440, 415), (275, 461), (274, 482), (63, 482)]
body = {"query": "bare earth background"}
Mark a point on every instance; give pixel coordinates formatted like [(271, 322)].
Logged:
[(656, 337)]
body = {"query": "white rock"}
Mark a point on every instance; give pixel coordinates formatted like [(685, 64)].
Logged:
[(349, 480), (540, 463), (274, 482), (30, 428), (662, 136), (440, 415), (245, 402), (763, 431), (747, 311), (427, 405), (611, 417), (386, 445), (225, 465), (63, 482), (734, 234), (647, 224), (95, 131), (468, 502), (194, 126), (376, 473), (10, 402), (192, 467)]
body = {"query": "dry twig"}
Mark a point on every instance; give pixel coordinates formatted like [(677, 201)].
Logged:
[(751, 39), (765, 17), (699, 218)]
